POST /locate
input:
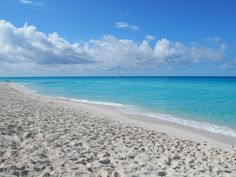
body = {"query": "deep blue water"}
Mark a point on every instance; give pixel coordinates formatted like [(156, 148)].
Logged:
[(201, 99)]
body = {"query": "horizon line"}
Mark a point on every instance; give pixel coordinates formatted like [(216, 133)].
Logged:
[(117, 76)]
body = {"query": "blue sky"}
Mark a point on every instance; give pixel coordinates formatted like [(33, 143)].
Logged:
[(105, 37)]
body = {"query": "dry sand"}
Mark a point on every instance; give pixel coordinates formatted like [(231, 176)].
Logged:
[(41, 136)]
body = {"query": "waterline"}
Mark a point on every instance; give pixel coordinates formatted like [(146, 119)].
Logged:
[(136, 111)]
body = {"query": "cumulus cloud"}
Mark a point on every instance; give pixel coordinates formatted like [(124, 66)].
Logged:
[(125, 25), (28, 46), (175, 51)]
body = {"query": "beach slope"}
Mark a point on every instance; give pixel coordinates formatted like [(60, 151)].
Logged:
[(45, 137)]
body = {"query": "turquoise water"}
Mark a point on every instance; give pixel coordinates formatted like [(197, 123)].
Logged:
[(203, 102)]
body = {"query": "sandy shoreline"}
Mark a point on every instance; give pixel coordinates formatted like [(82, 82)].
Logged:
[(171, 128), (42, 136)]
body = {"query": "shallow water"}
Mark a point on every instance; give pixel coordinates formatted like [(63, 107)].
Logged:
[(201, 102)]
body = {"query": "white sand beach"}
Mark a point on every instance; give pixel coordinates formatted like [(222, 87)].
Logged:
[(42, 136)]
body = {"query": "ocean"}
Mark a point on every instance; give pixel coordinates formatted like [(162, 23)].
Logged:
[(207, 103)]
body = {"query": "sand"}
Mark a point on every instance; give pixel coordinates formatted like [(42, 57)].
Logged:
[(42, 136)]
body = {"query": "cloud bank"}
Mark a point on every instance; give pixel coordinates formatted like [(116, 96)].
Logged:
[(26, 47)]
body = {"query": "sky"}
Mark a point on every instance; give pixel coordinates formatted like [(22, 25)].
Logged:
[(110, 38)]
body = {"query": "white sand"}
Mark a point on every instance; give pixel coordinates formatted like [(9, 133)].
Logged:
[(42, 136)]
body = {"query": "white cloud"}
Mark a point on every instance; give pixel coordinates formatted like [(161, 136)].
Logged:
[(217, 41), (223, 46), (228, 65), (213, 39), (225, 66), (125, 25), (26, 46), (150, 37), (29, 2), (26, 2), (176, 52)]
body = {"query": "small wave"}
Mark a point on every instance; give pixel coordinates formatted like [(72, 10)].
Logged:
[(22, 83), (189, 123), (98, 102), (23, 88), (132, 110)]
